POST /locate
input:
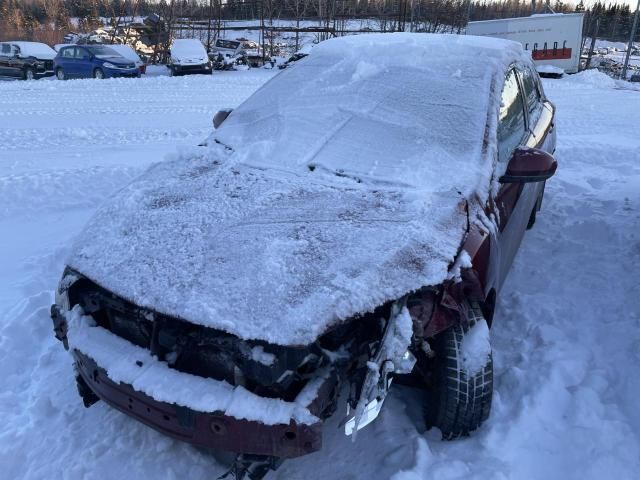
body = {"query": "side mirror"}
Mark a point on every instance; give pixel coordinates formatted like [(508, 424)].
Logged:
[(221, 116), (529, 165)]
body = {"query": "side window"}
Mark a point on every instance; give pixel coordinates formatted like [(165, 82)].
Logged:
[(82, 54), (511, 127), (532, 94), (68, 52), (5, 49)]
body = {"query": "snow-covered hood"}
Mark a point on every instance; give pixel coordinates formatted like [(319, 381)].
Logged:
[(127, 52), (116, 60), (265, 254)]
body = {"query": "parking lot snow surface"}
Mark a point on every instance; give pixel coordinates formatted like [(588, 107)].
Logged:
[(566, 336)]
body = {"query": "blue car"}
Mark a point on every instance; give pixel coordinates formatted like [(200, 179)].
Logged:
[(87, 61)]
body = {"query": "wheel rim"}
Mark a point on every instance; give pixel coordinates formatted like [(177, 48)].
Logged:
[(99, 74), (60, 74), (29, 74)]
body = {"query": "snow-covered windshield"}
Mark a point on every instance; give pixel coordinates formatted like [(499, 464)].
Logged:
[(404, 108), (101, 51), (183, 48), (36, 49)]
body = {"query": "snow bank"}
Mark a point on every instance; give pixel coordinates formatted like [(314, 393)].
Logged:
[(592, 78)]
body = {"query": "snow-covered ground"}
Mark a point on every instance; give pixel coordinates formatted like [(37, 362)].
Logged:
[(566, 337)]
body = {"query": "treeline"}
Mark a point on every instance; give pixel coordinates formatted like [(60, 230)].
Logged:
[(49, 20)]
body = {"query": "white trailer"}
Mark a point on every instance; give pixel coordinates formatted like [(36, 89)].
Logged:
[(553, 39)]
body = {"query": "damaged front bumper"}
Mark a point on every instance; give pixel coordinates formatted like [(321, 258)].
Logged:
[(134, 371), (213, 430), (106, 370)]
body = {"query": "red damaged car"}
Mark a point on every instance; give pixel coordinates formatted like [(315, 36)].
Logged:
[(352, 221)]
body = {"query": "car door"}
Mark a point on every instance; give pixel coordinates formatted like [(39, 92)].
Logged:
[(5, 49), (67, 61), (514, 200), (83, 62), (13, 65)]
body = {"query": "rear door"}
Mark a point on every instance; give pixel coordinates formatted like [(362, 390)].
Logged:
[(83, 62), (13, 65), (5, 50), (66, 60)]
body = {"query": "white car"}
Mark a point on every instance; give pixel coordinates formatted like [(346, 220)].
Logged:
[(188, 55)]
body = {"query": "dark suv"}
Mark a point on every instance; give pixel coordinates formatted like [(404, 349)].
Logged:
[(26, 60)]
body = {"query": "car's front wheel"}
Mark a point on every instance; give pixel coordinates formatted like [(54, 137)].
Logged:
[(460, 377), (98, 73), (60, 74), (29, 74)]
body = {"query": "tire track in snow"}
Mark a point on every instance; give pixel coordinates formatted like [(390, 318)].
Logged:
[(81, 137), (28, 195)]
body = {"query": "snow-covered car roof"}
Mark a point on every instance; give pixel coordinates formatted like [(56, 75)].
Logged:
[(186, 47), (36, 49), (342, 186)]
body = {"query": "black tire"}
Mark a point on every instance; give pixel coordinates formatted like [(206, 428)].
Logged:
[(28, 74), (60, 74), (456, 403), (98, 73)]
